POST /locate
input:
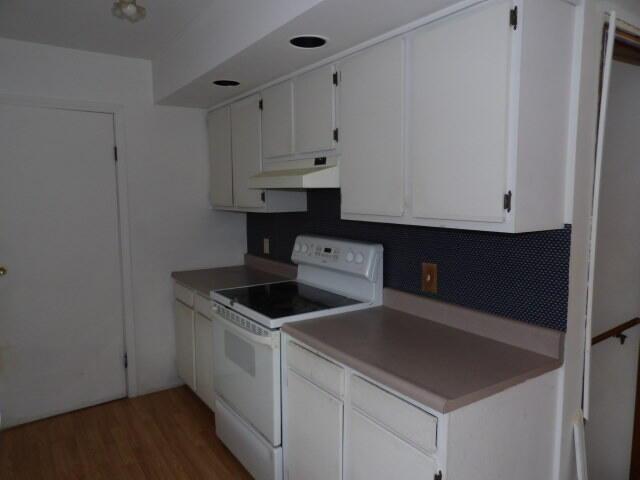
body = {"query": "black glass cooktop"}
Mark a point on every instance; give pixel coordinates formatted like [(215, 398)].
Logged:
[(277, 300)]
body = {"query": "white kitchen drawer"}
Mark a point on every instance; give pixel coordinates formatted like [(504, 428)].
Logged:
[(322, 372), (408, 422), (204, 306), (183, 294)]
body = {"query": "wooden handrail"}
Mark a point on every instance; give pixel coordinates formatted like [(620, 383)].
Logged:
[(615, 331)]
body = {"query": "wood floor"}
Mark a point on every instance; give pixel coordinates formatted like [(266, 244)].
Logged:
[(164, 435)]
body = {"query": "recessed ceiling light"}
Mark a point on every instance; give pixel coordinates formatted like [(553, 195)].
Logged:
[(308, 41), (226, 83)]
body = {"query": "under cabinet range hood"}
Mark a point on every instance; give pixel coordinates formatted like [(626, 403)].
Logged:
[(317, 173)]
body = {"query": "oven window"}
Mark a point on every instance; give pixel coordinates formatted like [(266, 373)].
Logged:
[(240, 352)]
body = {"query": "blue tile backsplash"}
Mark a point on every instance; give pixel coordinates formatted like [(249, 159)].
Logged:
[(521, 276)]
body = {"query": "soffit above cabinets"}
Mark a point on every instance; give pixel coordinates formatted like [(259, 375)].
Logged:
[(345, 24)]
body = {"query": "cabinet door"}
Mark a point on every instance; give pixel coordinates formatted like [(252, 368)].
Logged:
[(314, 100), (245, 144), (374, 453), (459, 101), (371, 119), (204, 359), (220, 169), (314, 432), (185, 344), (277, 120)]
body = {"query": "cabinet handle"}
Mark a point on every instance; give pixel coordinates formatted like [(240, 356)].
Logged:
[(3, 271)]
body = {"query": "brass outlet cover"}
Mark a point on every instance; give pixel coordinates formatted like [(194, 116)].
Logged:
[(430, 277)]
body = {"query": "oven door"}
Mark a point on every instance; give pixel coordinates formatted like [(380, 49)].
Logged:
[(246, 371)]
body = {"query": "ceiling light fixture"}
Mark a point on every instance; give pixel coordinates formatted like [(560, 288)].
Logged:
[(308, 41), (128, 10)]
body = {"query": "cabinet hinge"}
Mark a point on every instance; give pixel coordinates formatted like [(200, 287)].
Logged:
[(513, 18), (336, 135), (260, 105), (126, 361), (507, 201), (115, 153), (437, 476), (263, 196), (336, 78)]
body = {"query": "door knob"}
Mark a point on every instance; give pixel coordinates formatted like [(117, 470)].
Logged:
[(3, 271)]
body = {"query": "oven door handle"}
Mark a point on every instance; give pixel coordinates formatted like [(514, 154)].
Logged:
[(271, 341)]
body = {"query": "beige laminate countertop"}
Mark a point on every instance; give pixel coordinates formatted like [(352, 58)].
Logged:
[(208, 279), (438, 366)]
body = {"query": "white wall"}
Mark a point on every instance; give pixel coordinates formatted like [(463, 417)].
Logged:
[(616, 282), (171, 226), (570, 399)]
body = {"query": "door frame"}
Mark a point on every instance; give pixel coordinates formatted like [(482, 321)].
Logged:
[(122, 206), (615, 24), (608, 39)]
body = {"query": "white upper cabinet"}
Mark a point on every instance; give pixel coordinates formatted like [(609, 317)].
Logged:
[(235, 155), (245, 144), (461, 122), (277, 120), (459, 115), (371, 127), (220, 166), (314, 110), (485, 117)]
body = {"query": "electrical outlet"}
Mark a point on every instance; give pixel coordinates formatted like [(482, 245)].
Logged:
[(265, 246), (430, 277)]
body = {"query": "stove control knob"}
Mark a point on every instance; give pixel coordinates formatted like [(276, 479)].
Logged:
[(349, 257), (296, 247), (305, 247), (359, 258)]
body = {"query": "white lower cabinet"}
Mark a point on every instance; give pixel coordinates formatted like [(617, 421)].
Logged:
[(204, 359), (314, 436), (374, 453), (194, 342), (339, 424), (185, 344)]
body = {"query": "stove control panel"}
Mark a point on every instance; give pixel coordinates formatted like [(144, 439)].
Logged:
[(351, 257)]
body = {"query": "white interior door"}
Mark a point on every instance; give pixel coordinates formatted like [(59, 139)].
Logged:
[(61, 311)]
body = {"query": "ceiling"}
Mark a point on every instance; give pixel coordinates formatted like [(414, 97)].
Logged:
[(89, 25), (345, 23)]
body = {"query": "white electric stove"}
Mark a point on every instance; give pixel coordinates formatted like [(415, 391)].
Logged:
[(334, 276)]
